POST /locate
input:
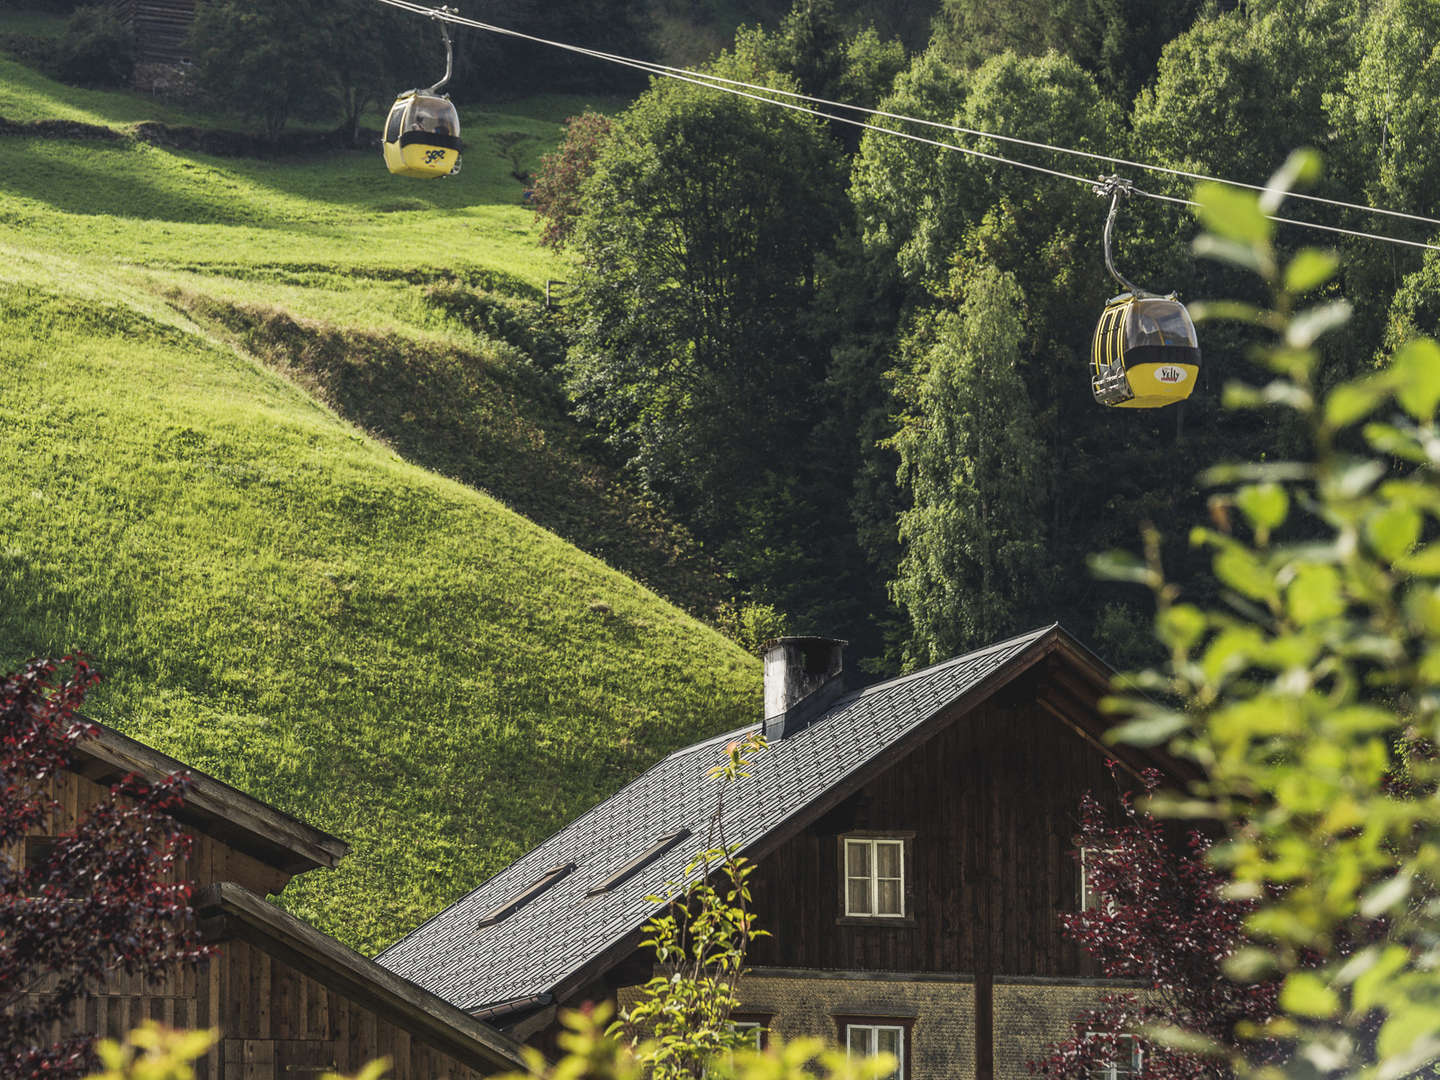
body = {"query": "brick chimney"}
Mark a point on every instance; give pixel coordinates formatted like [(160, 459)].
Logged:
[(802, 676)]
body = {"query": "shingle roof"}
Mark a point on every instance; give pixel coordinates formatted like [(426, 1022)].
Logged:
[(560, 929)]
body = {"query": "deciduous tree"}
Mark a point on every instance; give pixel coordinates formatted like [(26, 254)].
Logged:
[(563, 174), (101, 900), (1299, 695), (973, 540), (705, 224), (1158, 915)]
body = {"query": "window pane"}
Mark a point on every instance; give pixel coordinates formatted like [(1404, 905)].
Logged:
[(888, 901), (858, 896), (1127, 1051), (857, 858), (857, 1040), (750, 1030), (887, 859), (1158, 322), (889, 1040)]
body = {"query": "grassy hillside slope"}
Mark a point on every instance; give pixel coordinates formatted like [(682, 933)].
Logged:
[(275, 595)]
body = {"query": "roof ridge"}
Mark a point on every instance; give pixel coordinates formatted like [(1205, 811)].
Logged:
[(703, 743), (1027, 637)]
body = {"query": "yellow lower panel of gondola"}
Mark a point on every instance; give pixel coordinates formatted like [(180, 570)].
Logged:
[(417, 159), (1157, 385)]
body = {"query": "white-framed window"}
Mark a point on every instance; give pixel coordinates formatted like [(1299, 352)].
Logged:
[(1129, 1056), (866, 1040), (874, 877), (1090, 899), (752, 1030)]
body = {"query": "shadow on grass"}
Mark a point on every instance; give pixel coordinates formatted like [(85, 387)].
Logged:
[(495, 426)]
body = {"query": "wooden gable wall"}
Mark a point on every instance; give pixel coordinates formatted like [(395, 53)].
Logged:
[(209, 859), (276, 1023), (992, 801)]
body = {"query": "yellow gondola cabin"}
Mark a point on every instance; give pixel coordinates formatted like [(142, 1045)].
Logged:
[(1145, 354), (422, 136)]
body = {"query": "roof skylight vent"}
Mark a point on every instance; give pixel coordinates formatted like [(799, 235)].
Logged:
[(644, 859), (554, 874)]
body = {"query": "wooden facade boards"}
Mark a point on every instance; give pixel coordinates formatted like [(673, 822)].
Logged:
[(283, 1015), (161, 27), (992, 804)]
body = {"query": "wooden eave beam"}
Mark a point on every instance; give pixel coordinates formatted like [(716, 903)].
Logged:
[(215, 807), (1079, 701), (249, 917)]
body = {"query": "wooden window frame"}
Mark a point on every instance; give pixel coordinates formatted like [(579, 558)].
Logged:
[(35, 850), (905, 838), (845, 1021), (38, 849)]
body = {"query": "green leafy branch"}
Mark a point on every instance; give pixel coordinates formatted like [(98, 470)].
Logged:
[(1309, 699)]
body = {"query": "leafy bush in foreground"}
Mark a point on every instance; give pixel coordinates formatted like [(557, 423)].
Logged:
[(1309, 701)]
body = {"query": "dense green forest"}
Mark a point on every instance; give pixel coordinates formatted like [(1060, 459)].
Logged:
[(857, 367), (854, 366)]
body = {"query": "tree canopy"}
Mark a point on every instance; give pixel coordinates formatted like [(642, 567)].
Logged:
[(704, 226), (971, 459)]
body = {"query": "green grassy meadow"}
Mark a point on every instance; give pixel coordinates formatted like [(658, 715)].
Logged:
[(282, 549)]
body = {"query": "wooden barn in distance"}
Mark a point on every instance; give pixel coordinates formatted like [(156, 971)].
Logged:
[(915, 845), (290, 1002), (162, 29)]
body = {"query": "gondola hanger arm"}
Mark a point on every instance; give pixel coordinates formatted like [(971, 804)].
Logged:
[(440, 15), (1117, 188)]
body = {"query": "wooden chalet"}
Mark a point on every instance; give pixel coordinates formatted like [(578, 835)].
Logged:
[(161, 28), (289, 1001), (915, 843)]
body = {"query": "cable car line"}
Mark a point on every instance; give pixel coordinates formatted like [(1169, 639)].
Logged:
[(643, 65), (724, 84), (1145, 353), (1303, 224), (701, 80), (1016, 140)]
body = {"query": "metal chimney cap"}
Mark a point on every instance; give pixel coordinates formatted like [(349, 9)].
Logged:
[(801, 639)]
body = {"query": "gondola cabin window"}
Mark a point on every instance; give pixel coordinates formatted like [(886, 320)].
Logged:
[(874, 878)]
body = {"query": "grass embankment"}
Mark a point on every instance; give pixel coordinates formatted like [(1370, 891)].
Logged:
[(491, 421), (276, 596)]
